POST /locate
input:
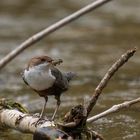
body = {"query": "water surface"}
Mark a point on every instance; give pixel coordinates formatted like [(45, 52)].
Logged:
[(88, 46)]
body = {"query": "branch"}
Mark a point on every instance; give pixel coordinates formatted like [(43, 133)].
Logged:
[(20, 121), (124, 58), (43, 130), (114, 109), (14, 115), (37, 37)]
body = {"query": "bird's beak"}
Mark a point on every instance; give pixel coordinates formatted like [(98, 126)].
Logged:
[(57, 62)]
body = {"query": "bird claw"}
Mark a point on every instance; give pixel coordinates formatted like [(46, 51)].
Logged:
[(51, 120), (41, 119)]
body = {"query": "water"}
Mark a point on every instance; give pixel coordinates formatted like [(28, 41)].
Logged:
[(88, 46)]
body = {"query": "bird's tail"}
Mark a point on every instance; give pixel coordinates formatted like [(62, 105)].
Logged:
[(70, 75)]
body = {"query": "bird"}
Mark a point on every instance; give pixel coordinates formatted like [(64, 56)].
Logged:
[(42, 75)]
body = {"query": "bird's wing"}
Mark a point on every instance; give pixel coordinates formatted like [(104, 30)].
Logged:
[(22, 74), (61, 80)]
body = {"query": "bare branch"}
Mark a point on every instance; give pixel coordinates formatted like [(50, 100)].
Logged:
[(114, 109), (124, 58), (26, 123), (20, 121), (37, 37)]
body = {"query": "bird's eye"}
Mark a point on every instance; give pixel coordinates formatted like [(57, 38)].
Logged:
[(43, 60), (50, 60)]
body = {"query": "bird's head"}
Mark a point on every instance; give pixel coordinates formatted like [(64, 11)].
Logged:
[(42, 62)]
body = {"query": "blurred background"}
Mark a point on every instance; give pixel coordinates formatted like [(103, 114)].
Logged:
[(88, 46)]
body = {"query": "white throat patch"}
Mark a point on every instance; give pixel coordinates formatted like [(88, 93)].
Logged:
[(39, 79)]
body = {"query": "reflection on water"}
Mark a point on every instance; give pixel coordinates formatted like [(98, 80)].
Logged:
[(88, 46)]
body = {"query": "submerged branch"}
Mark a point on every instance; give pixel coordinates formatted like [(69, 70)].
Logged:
[(114, 109), (47, 31), (120, 62)]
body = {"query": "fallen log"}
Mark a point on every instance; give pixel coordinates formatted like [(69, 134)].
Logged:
[(13, 115)]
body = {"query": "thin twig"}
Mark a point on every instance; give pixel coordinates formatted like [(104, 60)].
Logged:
[(37, 37), (114, 109), (124, 58)]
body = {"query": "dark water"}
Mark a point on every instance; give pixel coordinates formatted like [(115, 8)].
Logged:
[(88, 46)]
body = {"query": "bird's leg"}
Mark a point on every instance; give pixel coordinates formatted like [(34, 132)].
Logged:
[(41, 119), (43, 109), (57, 107)]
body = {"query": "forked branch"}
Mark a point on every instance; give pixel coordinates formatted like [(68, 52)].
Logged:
[(120, 62)]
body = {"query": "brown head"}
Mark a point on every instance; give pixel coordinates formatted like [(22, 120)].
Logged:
[(39, 60)]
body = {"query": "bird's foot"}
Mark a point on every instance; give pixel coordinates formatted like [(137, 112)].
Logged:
[(39, 122), (41, 119), (52, 118)]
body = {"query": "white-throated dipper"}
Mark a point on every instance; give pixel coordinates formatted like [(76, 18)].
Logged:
[(43, 77)]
